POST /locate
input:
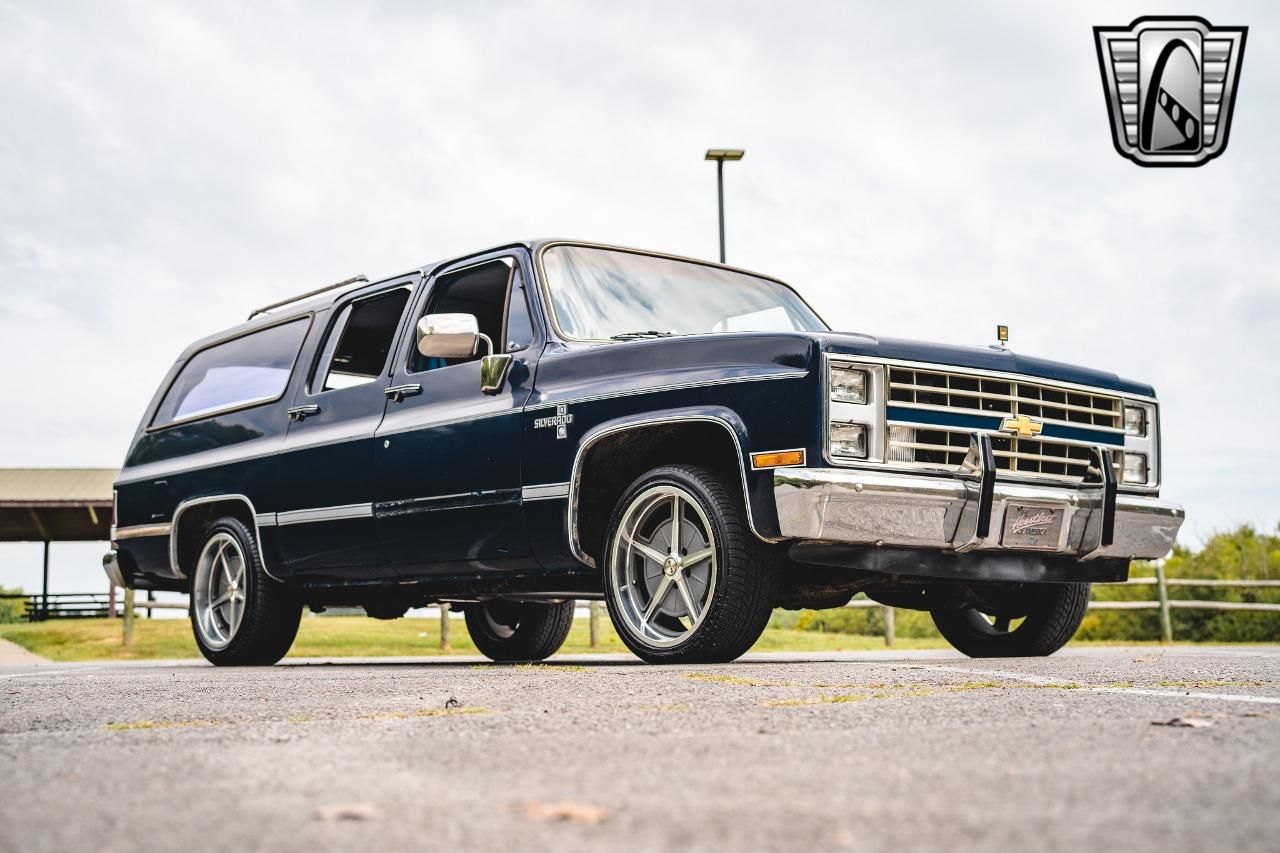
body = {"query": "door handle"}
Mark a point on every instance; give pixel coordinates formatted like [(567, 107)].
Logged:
[(299, 413), (397, 393)]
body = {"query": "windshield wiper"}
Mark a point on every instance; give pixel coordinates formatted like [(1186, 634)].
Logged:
[(632, 336)]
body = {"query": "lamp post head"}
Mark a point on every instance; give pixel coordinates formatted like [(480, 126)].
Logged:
[(725, 153)]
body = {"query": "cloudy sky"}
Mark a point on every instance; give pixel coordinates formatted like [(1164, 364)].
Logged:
[(919, 170)]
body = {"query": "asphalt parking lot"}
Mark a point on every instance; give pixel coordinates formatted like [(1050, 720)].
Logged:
[(864, 751)]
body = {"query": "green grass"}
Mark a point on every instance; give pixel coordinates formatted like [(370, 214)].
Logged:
[(358, 636)]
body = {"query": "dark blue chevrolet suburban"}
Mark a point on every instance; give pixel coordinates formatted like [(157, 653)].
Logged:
[(554, 420)]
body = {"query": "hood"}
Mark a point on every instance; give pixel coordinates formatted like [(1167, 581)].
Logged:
[(979, 358)]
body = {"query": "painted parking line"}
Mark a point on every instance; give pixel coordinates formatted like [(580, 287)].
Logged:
[(1045, 681), (66, 670)]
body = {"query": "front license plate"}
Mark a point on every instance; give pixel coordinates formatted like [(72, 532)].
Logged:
[(1030, 526)]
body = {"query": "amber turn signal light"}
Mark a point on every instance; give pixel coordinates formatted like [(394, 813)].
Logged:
[(777, 459)]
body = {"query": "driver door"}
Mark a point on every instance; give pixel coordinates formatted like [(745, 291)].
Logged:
[(448, 455)]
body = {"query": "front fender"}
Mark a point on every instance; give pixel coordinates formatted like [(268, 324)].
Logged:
[(757, 487)]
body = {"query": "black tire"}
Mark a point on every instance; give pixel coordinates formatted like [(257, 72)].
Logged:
[(270, 611), (743, 588), (1053, 612), (511, 631)]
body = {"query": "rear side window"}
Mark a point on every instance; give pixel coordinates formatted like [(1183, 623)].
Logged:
[(250, 369), (356, 351)]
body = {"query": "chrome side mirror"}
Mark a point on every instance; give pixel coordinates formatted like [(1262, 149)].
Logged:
[(456, 336), (448, 335)]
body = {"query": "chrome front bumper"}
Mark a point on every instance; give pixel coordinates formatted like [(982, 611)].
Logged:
[(966, 512)]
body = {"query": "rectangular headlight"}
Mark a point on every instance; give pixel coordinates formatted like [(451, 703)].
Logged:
[(849, 440), (848, 384), (1135, 468), (1135, 420)]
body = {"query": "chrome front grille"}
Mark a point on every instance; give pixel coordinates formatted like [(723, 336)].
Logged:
[(1035, 457), (990, 395), (929, 447)]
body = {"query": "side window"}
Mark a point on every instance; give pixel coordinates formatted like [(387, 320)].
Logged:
[(485, 291), (359, 341), (250, 369)]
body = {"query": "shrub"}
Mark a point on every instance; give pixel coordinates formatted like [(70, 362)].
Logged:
[(867, 621), (1242, 554), (12, 609)]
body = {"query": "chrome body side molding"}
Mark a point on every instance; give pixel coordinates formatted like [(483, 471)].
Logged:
[(438, 503), (324, 513), (208, 499), (544, 492), (138, 531)]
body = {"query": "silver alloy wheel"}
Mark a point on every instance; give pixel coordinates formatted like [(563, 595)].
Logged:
[(218, 590), (661, 583)]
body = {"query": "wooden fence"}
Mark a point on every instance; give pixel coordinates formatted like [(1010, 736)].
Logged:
[(1166, 605), (38, 607)]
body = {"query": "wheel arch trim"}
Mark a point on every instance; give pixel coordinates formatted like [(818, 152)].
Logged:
[(176, 530), (719, 416)]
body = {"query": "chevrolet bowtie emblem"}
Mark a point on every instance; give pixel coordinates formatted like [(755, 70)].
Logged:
[(1021, 426)]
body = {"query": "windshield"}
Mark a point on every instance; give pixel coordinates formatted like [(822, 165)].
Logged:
[(606, 294)]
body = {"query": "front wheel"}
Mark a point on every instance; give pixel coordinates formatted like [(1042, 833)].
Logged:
[(685, 579), (1049, 613), (240, 616)]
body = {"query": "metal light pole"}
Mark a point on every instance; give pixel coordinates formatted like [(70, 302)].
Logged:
[(720, 155)]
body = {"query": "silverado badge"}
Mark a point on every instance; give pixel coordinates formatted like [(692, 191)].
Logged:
[(1170, 84), (1021, 426), (560, 420)]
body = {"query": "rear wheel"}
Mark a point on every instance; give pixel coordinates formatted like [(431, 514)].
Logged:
[(240, 616), (519, 631), (685, 579), (1041, 621)]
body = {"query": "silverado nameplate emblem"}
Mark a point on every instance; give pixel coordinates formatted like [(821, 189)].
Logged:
[(1027, 526), (1021, 426), (560, 420)]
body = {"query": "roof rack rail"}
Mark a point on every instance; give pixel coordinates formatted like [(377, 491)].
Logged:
[(264, 309)]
